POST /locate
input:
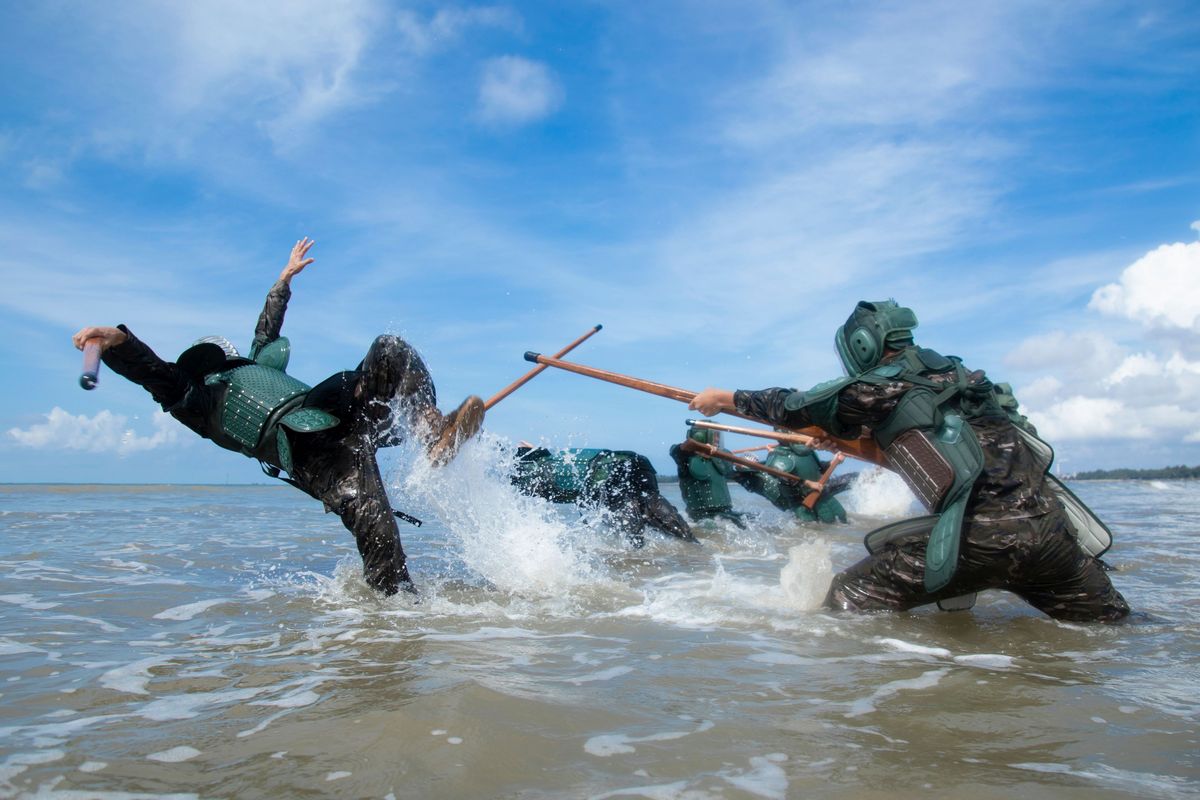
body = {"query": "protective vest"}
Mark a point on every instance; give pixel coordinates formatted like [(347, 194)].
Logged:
[(573, 471), (927, 439), (262, 402), (802, 462), (702, 483)]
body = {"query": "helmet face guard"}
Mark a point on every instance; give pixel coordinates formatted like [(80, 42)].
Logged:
[(870, 330)]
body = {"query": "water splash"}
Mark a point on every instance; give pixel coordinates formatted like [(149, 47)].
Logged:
[(879, 493), (514, 542), (805, 578)]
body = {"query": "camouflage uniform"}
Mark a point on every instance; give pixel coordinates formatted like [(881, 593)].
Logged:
[(1014, 537)]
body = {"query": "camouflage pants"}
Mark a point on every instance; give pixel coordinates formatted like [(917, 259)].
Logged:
[(1036, 559)]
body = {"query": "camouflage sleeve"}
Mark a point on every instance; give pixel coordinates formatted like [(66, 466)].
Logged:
[(860, 405), (765, 404), (270, 321)]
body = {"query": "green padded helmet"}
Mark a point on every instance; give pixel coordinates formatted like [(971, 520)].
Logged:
[(870, 330)]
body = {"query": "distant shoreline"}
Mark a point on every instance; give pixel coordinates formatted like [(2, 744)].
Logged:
[(1160, 474)]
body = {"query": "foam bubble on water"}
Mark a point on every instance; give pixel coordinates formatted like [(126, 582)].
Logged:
[(337, 776), (909, 647), (17, 763), (92, 766), (986, 660), (8, 647), (805, 578), (133, 677), (867, 705), (189, 610), (299, 699), (174, 755), (765, 778), (879, 493), (660, 791), (27, 601), (186, 706), (611, 744), (601, 676)]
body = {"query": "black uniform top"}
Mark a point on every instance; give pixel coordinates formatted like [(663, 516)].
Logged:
[(186, 397)]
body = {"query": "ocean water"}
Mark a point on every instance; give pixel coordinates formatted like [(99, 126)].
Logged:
[(218, 642)]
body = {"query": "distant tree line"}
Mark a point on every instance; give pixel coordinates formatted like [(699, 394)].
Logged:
[(1162, 473)]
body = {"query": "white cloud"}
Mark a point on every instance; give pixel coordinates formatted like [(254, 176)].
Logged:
[(905, 65), (291, 60), (1162, 288), (515, 90), (1085, 356), (106, 432), (1196, 226), (421, 37), (1098, 388), (1079, 417)]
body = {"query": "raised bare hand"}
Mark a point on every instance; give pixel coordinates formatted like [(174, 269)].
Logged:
[(297, 261)]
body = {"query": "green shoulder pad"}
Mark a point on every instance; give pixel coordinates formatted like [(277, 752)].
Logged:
[(821, 402), (309, 420), (275, 355)]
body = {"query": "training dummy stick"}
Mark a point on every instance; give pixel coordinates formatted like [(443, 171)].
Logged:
[(91, 364), (533, 373), (710, 451), (865, 449)]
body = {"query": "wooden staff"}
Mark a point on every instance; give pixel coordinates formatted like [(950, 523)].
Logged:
[(528, 376), (811, 499), (711, 451), (91, 364), (790, 438), (753, 449), (865, 449)]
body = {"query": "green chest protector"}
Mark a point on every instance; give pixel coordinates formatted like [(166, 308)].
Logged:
[(926, 439), (262, 403), (572, 469), (795, 459)]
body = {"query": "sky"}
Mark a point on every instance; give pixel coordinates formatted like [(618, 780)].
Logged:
[(716, 183)]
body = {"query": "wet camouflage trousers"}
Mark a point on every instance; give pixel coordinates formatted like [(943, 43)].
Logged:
[(1036, 559), (338, 467)]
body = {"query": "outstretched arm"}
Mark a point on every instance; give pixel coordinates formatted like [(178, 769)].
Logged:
[(131, 358), (712, 401), (270, 321)]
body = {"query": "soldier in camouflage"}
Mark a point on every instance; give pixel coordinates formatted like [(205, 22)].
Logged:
[(324, 437), (1000, 521)]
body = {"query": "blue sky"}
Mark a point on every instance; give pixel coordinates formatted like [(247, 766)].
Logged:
[(716, 183)]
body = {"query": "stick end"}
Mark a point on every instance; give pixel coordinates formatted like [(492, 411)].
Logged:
[(598, 327), (532, 356), (88, 381)]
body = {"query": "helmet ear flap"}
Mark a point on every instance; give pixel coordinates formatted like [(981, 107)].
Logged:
[(863, 347)]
